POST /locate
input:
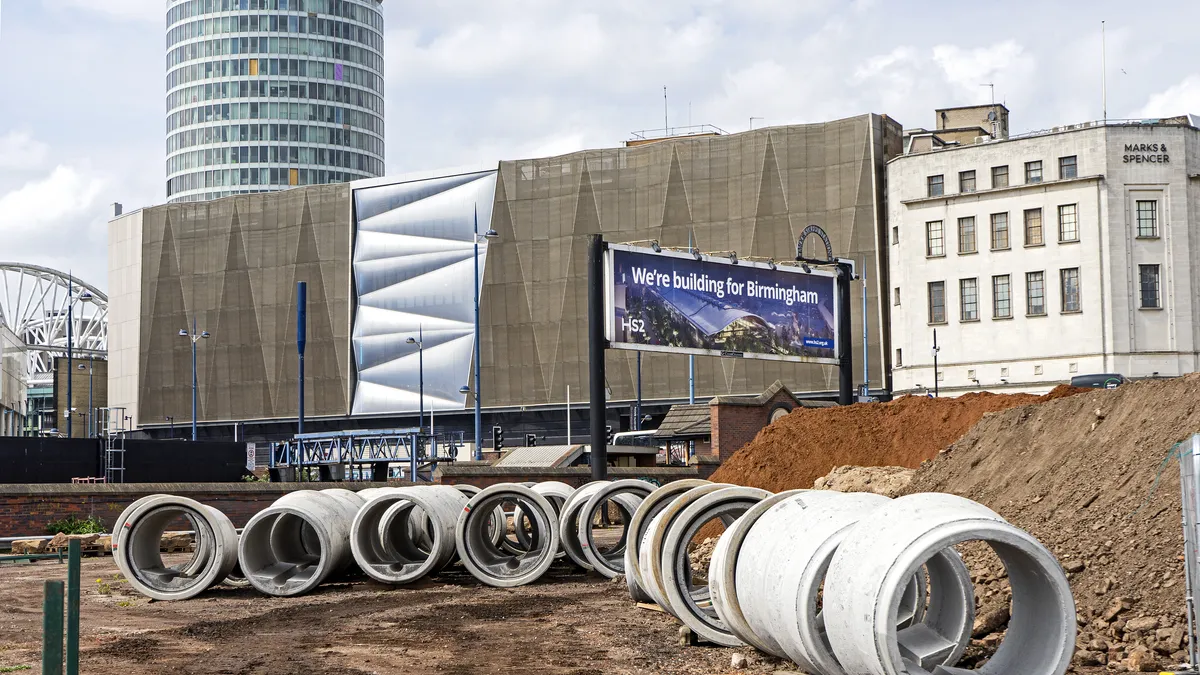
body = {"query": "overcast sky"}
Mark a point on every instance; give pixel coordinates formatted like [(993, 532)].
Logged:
[(474, 81)]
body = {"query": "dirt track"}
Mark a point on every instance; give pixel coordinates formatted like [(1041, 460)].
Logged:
[(568, 623)]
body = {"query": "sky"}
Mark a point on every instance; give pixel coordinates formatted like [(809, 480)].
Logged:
[(471, 82)]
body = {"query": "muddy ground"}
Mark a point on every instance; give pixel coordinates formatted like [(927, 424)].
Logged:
[(568, 623)]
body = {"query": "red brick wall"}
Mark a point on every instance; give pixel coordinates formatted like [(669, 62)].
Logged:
[(485, 476), (733, 426)]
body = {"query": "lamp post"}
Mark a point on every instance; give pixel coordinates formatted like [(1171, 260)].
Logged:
[(490, 234), (171, 421), (194, 337), (419, 342), (935, 351)]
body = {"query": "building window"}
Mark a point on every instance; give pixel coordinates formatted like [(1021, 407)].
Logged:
[(1001, 299), (896, 296), (899, 357), (1067, 167), (1070, 289), (935, 239), (1004, 372), (936, 185), (966, 181), (1037, 370), (999, 231), (1033, 227), (1147, 218), (999, 176), (1068, 223), (1035, 293), (966, 235), (971, 374), (937, 302), (1073, 367), (1033, 172), (895, 234), (1148, 278), (968, 290)]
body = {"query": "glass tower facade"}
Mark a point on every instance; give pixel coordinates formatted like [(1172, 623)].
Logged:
[(267, 94)]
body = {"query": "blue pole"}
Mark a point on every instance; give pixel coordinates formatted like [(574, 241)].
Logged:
[(421, 378), (70, 353), (301, 340), (193, 339), (478, 411)]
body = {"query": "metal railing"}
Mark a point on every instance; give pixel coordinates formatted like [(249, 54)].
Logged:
[(417, 453), (1189, 484)]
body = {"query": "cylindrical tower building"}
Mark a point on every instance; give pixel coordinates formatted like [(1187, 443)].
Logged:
[(267, 94)]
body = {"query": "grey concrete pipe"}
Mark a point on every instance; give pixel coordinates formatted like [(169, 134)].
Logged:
[(628, 495), (555, 492), (568, 529), (864, 589), (651, 506), (721, 573), (488, 561), (403, 534), (650, 559), (687, 600), (292, 546), (138, 534)]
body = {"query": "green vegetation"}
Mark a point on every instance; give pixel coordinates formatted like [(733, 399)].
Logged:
[(13, 669), (73, 525)]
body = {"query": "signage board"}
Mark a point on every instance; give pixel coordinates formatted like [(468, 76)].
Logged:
[(672, 302)]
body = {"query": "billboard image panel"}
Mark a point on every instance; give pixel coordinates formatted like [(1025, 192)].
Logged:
[(670, 301)]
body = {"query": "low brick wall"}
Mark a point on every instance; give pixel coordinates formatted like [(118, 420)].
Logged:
[(481, 475), (27, 509)]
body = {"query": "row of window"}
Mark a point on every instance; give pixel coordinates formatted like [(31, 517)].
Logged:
[(260, 176), (343, 8), (1068, 167), (935, 235), (294, 46), (317, 70), (246, 23), (276, 89), (311, 112), (275, 154), (295, 133), (1035, 296)]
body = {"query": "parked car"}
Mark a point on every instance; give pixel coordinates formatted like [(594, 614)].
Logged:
[(1099, 381)]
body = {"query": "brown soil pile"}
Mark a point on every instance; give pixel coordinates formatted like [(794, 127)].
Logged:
[(1079, 474), (809, 442)]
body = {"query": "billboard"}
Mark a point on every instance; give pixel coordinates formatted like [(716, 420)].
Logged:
[(672, 302)]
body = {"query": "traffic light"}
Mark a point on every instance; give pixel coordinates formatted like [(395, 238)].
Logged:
[(608, 434), (530, 440), (497, 438)]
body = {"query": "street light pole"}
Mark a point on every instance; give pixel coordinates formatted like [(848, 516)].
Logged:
[(935, 360), (490, 234), (419, 342), (195, 337), (70, 353)]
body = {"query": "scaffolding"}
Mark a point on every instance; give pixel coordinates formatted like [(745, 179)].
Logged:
[(113, 426), (407, 454)]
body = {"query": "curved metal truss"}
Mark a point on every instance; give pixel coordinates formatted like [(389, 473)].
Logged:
[(34, 304)]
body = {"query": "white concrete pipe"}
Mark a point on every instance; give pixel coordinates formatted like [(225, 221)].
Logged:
[(568, 529), (864, 588), (555, 492), (499, 524), (721, 573), (651, 506), (138, 536), (628, 495), (488, 561), (650, 548), (388, 535), (292, 546), (689, 601)]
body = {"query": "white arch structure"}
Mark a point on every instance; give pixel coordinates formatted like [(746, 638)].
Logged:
[(33, 304)]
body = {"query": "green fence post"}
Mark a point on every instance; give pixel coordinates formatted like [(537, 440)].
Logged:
[(52, 628), (73, 556)]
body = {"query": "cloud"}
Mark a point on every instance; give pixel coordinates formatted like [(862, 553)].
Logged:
[(19, 150), (1177, 100), (55, 220), (123, 10)]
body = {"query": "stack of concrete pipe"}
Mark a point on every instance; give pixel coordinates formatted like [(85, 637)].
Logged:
[(848, 583)]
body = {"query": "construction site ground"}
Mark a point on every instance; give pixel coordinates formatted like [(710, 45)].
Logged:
[(567, 623)]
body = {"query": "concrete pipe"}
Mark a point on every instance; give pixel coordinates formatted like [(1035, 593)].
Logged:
[(499, 525), (488, 561), (628, 494), (689, 601), (382, 536), (721, 572), (651, 546), (650, 507), (234, 578), (290, 547), (568, 528), (555, 492), (139, 543), (865, 582)]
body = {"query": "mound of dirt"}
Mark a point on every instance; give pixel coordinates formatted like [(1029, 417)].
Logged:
[(809, 442), (1086, 476), (889, 481)]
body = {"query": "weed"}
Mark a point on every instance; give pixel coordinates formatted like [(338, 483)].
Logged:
[(103, 588), (13, 669), (73, 525)]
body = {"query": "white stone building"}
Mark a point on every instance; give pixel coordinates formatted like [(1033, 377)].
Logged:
[(1037, 258)]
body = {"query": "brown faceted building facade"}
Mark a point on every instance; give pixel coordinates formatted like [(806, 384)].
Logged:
[(233, 263)]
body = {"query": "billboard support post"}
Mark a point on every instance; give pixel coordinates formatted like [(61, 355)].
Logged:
[(596, 340), (845, 356)]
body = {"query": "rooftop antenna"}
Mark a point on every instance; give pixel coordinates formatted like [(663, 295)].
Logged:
[(1103, 75), (666, 127), (992, 116)]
